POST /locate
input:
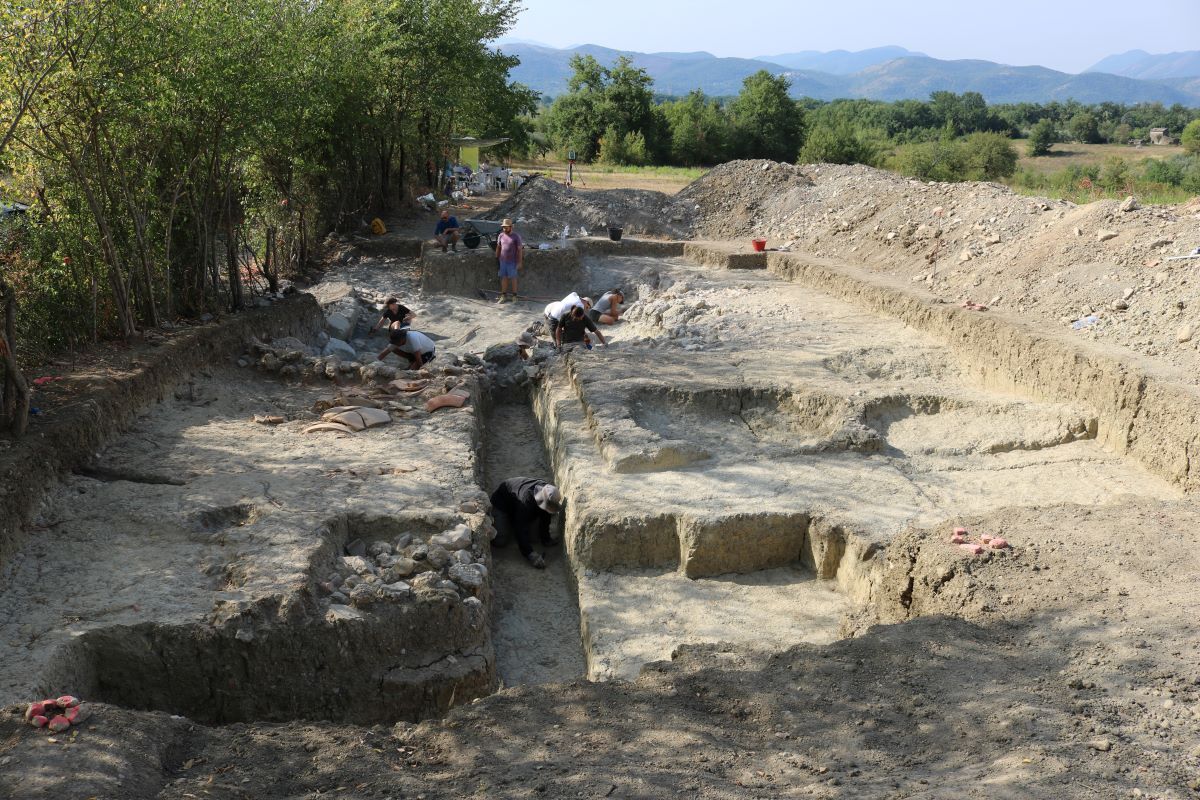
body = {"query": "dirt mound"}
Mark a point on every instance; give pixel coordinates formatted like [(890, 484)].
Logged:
[(729, 200), (542, 207), (1107, 264)]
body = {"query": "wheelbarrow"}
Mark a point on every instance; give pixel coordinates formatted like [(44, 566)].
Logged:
[(475, 231)]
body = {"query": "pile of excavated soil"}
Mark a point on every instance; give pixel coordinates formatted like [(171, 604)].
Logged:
[(730, 200), (1050, 261), (542, 207)]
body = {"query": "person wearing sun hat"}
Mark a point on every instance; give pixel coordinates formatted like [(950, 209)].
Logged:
[(521, 506), (526, 344), (510, 253)]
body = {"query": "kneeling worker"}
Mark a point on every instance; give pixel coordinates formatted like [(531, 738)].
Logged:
[(413, 345), (573, 328), (519, 507), (394, 315), (608, 308)]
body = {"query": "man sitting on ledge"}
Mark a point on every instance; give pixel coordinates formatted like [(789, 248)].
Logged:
[(446, 232)]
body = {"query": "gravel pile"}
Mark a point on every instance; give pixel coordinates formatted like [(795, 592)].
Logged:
[(1099, 271), (542, 207), (730, 200)]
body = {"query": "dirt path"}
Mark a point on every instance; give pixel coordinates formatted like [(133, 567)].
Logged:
[(536, 627)]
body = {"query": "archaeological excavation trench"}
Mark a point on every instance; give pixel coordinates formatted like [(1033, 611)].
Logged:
[(735, 466)]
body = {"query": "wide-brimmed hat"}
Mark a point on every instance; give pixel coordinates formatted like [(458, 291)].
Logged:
[(549, 499), (506, 223)]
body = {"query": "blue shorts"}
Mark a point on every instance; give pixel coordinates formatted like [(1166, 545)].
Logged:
[(508, 269)]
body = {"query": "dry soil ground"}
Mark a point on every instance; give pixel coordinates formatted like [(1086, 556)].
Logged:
[(761, 482)]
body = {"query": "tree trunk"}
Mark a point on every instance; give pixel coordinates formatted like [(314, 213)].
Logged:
[(16, 390), (270, 259)]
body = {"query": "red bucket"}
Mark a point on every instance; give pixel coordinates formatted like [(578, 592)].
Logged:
[(759, 245)]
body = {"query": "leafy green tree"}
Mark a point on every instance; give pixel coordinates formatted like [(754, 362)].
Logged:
[(842, 143), (962, 113), (1190, 138), (988, 157), (699, 130), (600, 99), (1042, 138), (1085, 128), (766, 122)]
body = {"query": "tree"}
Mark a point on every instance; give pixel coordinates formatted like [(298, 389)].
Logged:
[(1190, 138), (965, 113), (1085, 128), (600, 102), (988, 157), (698, 128), (841, 143), (1042, 138), (766, 122)]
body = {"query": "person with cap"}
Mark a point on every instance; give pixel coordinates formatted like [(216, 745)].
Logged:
[(573, 329), (555, 311), (446, 231), (608, 308), (522, 507), (394, 315), (511, 255), (412, 345), (526, 343)]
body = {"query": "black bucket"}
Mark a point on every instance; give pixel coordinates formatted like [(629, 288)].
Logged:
[(614, 234)]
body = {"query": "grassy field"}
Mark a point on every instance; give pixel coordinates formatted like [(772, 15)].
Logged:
[(603, 176), (1062, 156)]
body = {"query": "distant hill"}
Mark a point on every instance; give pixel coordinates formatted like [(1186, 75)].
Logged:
[(838, 62), (547, 70), (916, 78), (1145, 66)]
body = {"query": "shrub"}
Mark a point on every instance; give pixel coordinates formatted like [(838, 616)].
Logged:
[(1190, 139)]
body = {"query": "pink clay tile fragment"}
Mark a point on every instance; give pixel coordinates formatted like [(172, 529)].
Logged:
[(67, 701), (957, 538), (59, 723), (973, 549), (960, 531), (985, 538), (999, 543), (445, 400), (35, 709), (38, 721)]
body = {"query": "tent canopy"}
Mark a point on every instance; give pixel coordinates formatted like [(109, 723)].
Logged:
[(471, 141)]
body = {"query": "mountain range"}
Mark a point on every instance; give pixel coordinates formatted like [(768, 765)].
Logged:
[(882, 73), (1142, 65)]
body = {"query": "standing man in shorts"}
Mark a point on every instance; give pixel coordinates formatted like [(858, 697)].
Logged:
[(511, 255)]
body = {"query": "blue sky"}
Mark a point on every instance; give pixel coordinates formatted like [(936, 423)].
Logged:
[(1068, 35)]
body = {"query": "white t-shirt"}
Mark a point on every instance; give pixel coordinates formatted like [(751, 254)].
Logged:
[(556, 310), (417, 342)]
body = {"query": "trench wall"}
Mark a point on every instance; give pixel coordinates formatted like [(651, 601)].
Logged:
[(545, 272), (1142, 414), (698, 545), (70, 434)]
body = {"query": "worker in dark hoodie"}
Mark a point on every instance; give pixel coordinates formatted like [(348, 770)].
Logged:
[(522, 508)]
